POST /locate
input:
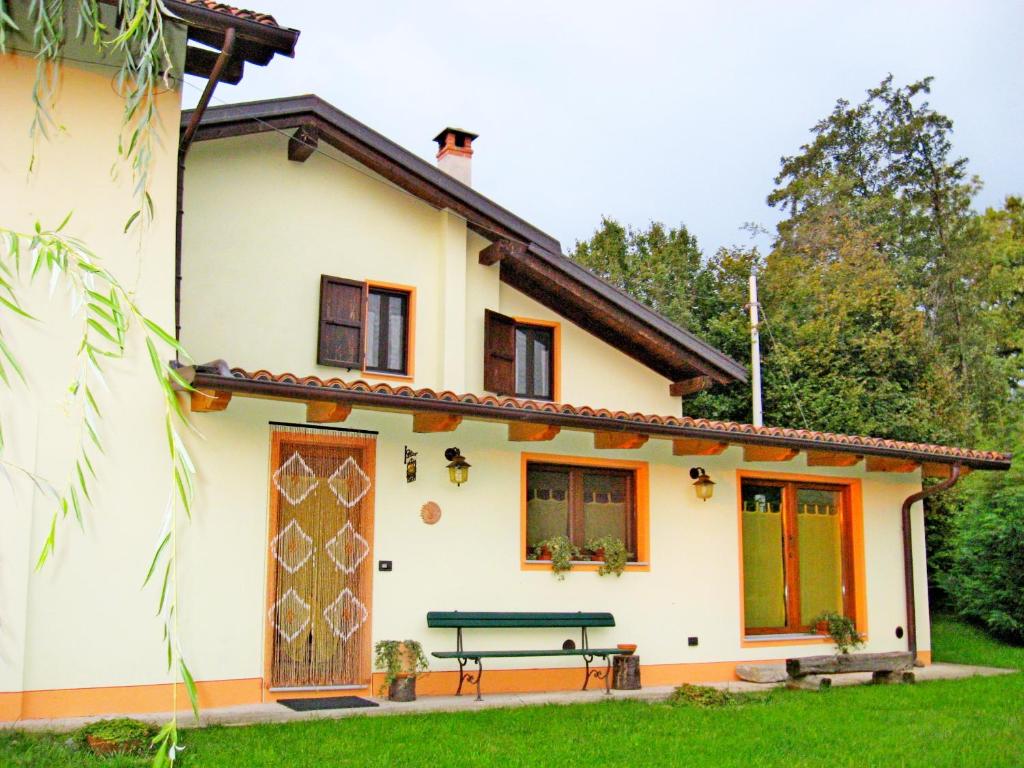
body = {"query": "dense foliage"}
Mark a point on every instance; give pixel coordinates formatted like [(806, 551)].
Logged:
[(890, 307)]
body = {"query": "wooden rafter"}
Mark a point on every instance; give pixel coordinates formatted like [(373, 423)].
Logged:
[(768, 453), (303, 143), (832, 459), (208, 400), (887, 464), (691, 386), (501, 249), (627, 440), (939, 471), (525, 431), (320, 412), (691, 446), (435, 422)]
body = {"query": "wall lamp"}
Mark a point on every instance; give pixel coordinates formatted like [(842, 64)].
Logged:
[(704, 485), (458, 467)]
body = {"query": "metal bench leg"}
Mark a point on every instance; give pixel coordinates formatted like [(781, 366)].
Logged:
[(462, 676), (606, 675)]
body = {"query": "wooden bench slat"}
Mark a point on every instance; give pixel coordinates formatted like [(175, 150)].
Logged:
[(520, 654), (513, 620)]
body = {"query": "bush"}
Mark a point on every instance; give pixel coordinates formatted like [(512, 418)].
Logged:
[(121, 736), (985, 574), (701, 696)]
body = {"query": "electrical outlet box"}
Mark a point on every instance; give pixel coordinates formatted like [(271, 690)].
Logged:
[(384, 565), (692, 641)]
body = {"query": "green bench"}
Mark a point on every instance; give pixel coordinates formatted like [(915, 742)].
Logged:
[(459, 620)]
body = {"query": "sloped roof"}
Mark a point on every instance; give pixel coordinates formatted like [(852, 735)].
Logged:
[(489, 407), (538, 269)]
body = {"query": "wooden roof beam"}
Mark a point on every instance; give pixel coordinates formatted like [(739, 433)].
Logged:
[(624, 440), (690, 446), (526, 431), (321, 412), (938, 471), (303, 143), (501, 249), (208, 400), (687, 387), (199, 62), (832, 459), (768, 453), (887, 464), (435, 422)]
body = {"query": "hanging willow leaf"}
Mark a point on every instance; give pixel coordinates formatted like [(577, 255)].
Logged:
[(190, 686)]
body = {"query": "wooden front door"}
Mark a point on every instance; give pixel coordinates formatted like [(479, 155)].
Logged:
[(320, 558)]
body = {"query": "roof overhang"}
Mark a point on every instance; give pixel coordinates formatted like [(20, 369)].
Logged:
[(533, 261), (216, 383)]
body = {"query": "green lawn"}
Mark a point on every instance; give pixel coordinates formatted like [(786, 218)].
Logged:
[(975, 722)]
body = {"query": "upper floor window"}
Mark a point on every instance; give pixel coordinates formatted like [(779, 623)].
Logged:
[(364, 326), (520, 357)]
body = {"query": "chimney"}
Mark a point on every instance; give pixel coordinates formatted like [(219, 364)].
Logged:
[(455, 154)]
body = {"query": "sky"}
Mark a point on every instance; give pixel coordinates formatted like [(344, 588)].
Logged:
[(670, 111)]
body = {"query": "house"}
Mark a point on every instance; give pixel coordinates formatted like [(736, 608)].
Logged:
[(408, 388)]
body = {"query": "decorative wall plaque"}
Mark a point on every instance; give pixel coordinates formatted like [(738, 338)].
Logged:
[(430, 512)]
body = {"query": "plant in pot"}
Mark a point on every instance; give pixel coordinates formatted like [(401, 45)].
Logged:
[(122, 736), (612, 554), (561, 553), (841, 629), (402, 661)]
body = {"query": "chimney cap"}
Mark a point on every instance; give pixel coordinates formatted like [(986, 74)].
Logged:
[(460, 136)]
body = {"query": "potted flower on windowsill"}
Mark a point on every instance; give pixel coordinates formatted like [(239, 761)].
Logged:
[(560, 551), (841, 629), (402, 661), (612, 554)]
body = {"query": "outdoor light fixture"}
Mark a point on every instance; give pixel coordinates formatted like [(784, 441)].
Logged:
[(704, 485), (458, 467)]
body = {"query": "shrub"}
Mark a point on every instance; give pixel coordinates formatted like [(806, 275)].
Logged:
[(122, 736), (701, 696), (985, 575)]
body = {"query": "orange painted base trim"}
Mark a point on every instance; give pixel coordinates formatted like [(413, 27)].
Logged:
[(125, 699), (142, 699)]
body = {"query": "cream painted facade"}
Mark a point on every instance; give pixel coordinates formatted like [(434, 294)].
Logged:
[(259, 232)]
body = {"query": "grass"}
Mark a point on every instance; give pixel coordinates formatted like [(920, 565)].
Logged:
[(977, 722)]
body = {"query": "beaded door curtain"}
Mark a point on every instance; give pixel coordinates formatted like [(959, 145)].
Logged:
[(321, 501)]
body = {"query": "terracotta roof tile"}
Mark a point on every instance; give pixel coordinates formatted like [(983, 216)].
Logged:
[(715, 429), (240, 13)]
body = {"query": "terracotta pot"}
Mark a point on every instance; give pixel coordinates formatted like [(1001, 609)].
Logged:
[(821, 628), (628, 649), (402, 688), (545, 554), (598, 554)]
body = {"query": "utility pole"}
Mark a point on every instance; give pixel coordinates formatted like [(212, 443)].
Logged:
[(755, 353)]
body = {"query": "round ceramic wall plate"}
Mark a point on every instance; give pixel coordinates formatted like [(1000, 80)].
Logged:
[(430, 512)]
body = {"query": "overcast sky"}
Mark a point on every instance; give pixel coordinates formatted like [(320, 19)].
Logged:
[(672, 111)]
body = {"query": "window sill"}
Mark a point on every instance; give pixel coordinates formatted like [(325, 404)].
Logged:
[(385, 375), (795, 638), (580, 565)]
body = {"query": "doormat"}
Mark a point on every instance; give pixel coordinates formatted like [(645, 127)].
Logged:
[(331, 702)]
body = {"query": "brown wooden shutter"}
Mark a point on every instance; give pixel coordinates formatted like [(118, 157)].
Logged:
[(499, 353), (342, 313)]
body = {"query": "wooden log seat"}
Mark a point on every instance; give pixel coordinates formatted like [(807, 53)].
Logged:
[(891, 667), (460, 620)]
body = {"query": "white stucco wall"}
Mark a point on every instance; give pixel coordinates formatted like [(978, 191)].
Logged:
[(83, 618)]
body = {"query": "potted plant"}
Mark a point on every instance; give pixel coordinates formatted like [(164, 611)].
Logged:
[(122, 736), (612, 554), (402, 661), (561, 553), (841, 629)]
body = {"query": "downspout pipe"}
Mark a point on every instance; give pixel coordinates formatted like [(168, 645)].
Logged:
[(908, 552), (227, 49)]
